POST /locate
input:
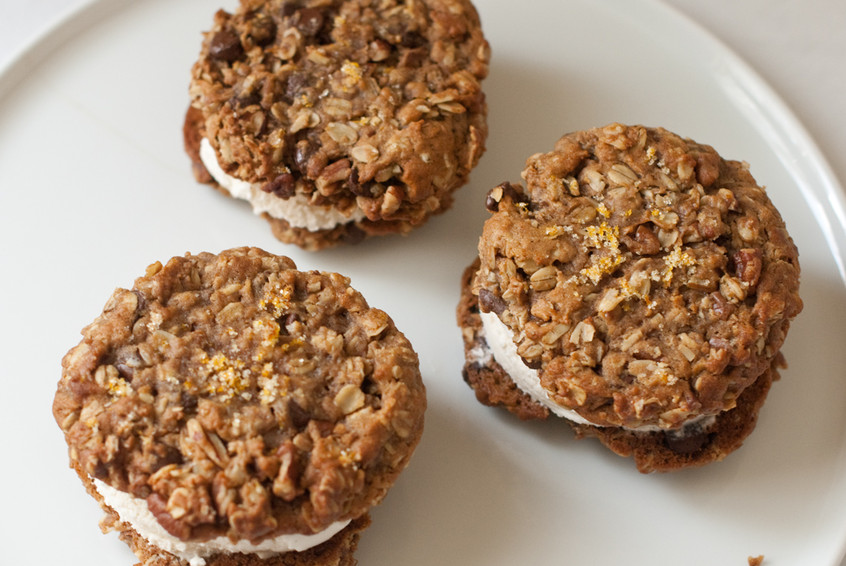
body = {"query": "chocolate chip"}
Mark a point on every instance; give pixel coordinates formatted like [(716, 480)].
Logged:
[(101, 471), (245, 100), (142, 301), (188, 401), (309, 21), (490, 302), (289, 9), (353, 184), (369, 190), (491, 203), (263, 30), (299, 417), (302, 153), (287, 319), (687, 443), (127, 361), (225, 46), (413, 58), (125, 371), (282, 186), (501, 191), (412, 40), (295, 84), (353, 235), (532, 364)]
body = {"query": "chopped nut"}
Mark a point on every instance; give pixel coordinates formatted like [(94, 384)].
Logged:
[(747, 229), (610, 300), (364, 153), (375, 322), (305, 119), (578, 394), (621, 174), (529, 350), (350, 398), (595, 180), (338, 108), (631, 339), (640, 283), (582, 333), (443, 97), (665, 220), (544, 278), (748, 265), (341, 133), (667, 181), (732, 289), (668, 238), (685, 170), (452, 107), (229, 313), (688, 346), (392, 201), (555, 334)]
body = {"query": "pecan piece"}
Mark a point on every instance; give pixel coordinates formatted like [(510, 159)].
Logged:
[(748, 265), (721, 307), (643, 241), (286, 483), (490, 302), (158, 507), (252, 518)]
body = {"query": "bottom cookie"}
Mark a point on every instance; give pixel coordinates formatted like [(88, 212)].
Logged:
[(337, 551), (651, 451)]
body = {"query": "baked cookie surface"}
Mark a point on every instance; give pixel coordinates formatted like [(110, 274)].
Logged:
[(646, 280), (240, 397), (371, 112), (337, 551), (652, 451)]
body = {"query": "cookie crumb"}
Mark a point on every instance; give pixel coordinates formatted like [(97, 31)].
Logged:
[(756, 560)]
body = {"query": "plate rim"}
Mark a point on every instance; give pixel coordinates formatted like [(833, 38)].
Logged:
[(813, 174)]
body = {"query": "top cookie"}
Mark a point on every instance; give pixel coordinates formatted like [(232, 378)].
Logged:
[(649, 280), (241, 397), (371, 109)]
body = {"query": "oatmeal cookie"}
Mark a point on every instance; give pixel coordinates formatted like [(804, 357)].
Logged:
[(640, 286), (230, 409), (340, 119)]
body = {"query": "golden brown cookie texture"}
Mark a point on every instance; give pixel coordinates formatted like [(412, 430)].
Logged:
[(354, 106), (649, 281), (241, 397), (337, 551)]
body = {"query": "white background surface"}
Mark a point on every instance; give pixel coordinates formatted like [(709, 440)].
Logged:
[(798, 47)]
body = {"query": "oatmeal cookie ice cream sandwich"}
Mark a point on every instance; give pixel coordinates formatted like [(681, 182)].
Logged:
[(640, 287), (340, 119), (232, 410)]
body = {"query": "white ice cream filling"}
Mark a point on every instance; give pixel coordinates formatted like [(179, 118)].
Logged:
[(134, 511), (296, 210), (500, 340)]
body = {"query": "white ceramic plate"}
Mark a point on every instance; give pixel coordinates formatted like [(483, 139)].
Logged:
[(94, 186)]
